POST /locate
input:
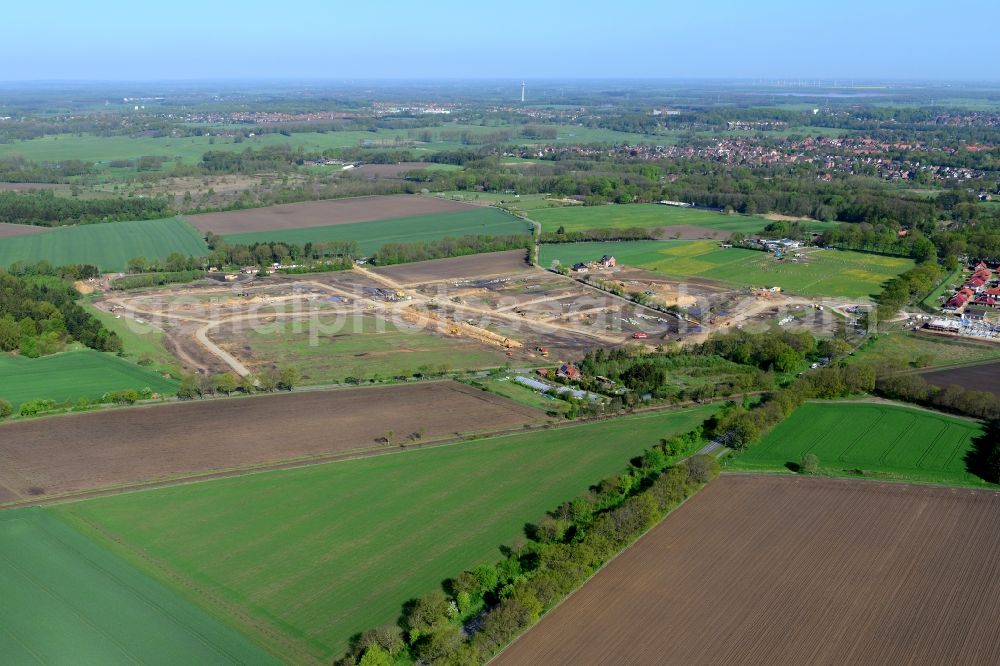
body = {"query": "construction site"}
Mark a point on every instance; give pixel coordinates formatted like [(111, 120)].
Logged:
[(448, 315)]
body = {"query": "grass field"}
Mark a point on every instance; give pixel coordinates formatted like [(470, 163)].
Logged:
[(835, 273), (884, 441), (373, 235), (904, 349), (75, 374), (91, 148), (108, 246), (581, 218), (304, 558), (66, 600), (140, 341), (361, 346)]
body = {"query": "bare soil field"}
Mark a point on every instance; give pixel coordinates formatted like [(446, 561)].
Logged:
[(118, 448), (985, 377), (11, 230), (769, 570), (476, 265), (322, 213)]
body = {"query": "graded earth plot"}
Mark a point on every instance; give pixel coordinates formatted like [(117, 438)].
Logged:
[(108, 245), (302, 559), (122, 448), (75, 374), (819, 272), (332, 348), (67, 600), (323, 213), (871, 439), (507, 312), (772, 570), (370, 236)]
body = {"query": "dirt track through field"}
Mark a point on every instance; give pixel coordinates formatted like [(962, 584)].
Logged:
[(81, 452), (779, 570), (323, 213)]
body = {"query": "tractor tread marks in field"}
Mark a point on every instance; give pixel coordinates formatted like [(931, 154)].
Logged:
[(903, 434), (861, 437)]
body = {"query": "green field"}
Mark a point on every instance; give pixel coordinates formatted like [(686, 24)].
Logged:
[(835, 273), (141, 342), (304, 558), (373, 235), (75, 374), (884, 441), (66, 600), (906, 349), (361, 346), (109, 245), (581, 218)]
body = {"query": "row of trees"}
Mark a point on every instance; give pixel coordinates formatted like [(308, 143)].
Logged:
[(602, 234), (268, 380), (561, 552), (44, 208), (400, 253)]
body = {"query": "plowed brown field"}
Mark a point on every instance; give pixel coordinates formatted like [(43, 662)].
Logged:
[(117, 448), (984, 377), (769, 570), (10, 230), (323, 213)]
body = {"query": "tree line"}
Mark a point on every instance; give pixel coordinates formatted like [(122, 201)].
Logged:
[(43, 208), (497, 602)]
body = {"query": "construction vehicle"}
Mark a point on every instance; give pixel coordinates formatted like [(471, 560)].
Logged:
[(544, 351), (639, 335)]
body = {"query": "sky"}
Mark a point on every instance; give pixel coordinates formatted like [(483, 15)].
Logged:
[(136, 40)]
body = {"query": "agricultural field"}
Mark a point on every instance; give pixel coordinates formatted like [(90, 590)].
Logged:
[(512, 262), (104, 149), (123, 448), (8, 230), (877, 440), (70, 375), (620, 216), (328, 349), (770, 570), (983, 377), (323, 213), (832, 273), (68, 600), (910, 349), (301, 559), (373, 235), (109, 245)]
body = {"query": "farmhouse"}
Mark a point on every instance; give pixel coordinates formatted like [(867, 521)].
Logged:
[(580, 267), (568, 371), (607, 261)]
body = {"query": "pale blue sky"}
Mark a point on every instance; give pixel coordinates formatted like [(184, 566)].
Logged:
[(211, 39)]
